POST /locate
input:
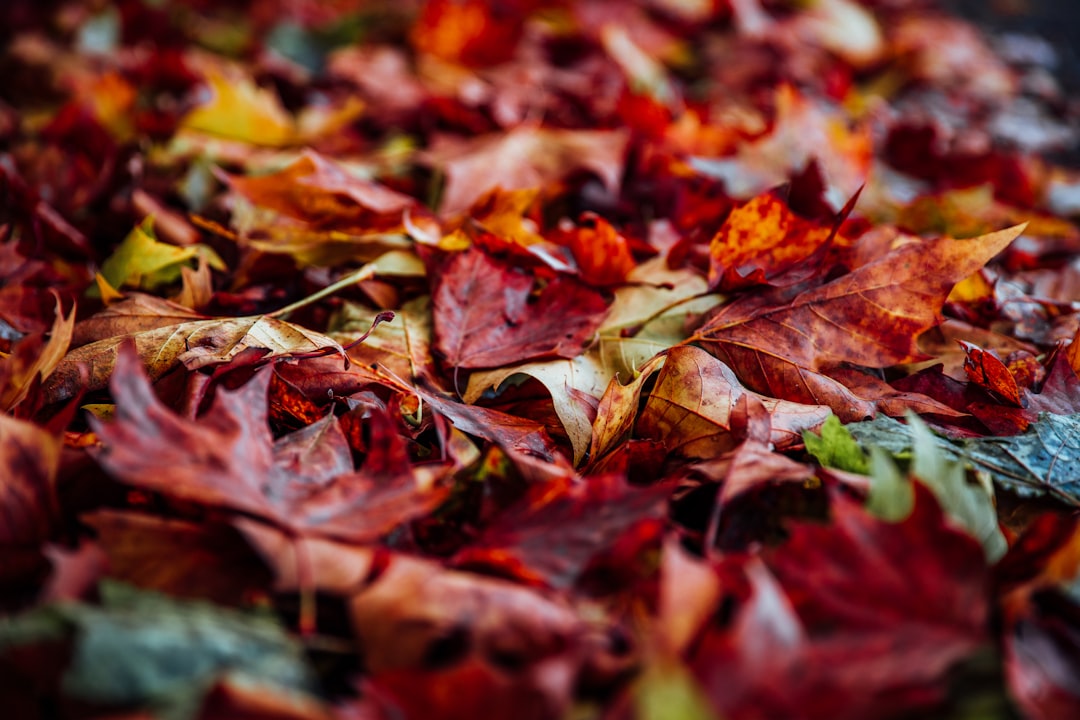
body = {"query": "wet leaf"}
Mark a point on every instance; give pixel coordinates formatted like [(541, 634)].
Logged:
[(1037, 462)]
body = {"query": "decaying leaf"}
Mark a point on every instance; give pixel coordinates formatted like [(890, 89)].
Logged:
[(194, 344), (870, 317), (1038, 462)]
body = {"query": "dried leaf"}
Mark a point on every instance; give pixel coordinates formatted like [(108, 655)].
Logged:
[(870, 317), (690, 408), (485, 314), (194, 344)]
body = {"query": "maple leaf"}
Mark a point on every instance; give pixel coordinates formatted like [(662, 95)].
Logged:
[(690, 408), (592, 515), (808, 641), (34, 360), (645, 318), (522, 158), (227, 458), (317, 190), (761, 239), (602, 255), (870, 317), (485, 314)]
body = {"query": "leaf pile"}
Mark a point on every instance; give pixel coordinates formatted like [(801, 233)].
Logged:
[(532, 359)]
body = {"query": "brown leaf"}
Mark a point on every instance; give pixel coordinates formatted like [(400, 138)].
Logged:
[(870, 317), (30, 458), (137, 313), (34, 360), (486, 314), (195, 344), (222, 460), (690, 408), (304, 483)]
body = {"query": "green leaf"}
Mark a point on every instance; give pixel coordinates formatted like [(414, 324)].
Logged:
[(1044, 460), (970, 504), (836, 448), (892, 497), (144, 649), (940, 466), (667, 691), (143, 262)]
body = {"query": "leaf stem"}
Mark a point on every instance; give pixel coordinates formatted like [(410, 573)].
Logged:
[(364, 273)]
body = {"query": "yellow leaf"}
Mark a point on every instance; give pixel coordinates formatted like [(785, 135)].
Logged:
[(141, 261), (240, 110)]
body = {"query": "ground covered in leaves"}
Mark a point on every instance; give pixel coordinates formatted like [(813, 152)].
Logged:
[(460, 359)]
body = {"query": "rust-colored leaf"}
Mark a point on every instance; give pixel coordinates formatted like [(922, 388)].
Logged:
[(486, 313), (987, 370), (319, 191), (870, 317), (691, 408), (30, 458)]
